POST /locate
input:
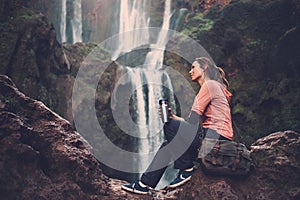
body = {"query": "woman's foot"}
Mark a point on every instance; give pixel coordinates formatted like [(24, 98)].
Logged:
[(182, 177), (136, 187)]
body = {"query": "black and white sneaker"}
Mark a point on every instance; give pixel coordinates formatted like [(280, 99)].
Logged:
[(182, 177), (136, 187)]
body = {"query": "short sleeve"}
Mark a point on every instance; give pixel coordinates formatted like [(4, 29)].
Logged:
[(202, 99)]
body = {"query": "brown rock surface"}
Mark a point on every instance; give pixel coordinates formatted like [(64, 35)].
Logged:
[(42, 157), (276, 173)]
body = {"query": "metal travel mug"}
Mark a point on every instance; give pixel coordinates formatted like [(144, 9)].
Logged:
[(164, 108)]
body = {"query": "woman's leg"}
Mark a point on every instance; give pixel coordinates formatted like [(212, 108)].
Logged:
[(185, 161), (186, 141), (156, 168)]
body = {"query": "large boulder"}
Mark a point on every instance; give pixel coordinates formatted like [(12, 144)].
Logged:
[(275, 176), (42, 157)]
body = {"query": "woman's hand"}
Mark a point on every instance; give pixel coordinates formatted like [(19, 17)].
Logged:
[(173, 116)]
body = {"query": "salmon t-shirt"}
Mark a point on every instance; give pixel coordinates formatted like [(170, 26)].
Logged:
[(212, 103)]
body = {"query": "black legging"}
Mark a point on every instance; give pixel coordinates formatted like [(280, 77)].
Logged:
[(182, 141)]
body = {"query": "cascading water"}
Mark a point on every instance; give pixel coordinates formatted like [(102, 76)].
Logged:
[(63, 21), (154, 62), (76, 21), (133, 16), (129, 31)]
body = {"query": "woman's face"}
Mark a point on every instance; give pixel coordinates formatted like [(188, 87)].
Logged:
[(196, 71)]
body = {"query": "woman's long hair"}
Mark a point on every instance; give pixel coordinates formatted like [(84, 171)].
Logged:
[(212, 71)]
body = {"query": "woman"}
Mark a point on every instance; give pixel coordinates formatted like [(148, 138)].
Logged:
[(210, 111)]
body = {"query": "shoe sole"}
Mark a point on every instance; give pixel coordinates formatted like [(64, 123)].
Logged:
[(133, 190), (180, 183)]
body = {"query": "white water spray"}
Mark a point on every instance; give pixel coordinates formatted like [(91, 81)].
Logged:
[(156, 79), (148, 82), (133, 16), (63, 21), (76, 21)]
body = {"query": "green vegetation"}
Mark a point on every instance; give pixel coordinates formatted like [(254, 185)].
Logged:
[(46, 97), (197, 23), (10, 103), (27, 15)]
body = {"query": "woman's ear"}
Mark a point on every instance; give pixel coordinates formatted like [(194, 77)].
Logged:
[(205, 67)]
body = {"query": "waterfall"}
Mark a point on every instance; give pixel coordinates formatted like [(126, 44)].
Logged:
[(156, 79), (150, 81), (137, 85), (76, 21), (63, 21), (154, 76), (142, 82), (133, 16)]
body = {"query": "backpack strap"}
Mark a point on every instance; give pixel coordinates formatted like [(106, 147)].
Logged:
[(214, 153), (237, 161)]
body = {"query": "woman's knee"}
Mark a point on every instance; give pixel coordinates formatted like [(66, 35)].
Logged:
[(170, 129)]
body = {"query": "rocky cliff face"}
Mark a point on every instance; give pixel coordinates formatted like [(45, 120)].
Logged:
[(38, 64), (42, 157), (32, 56)]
